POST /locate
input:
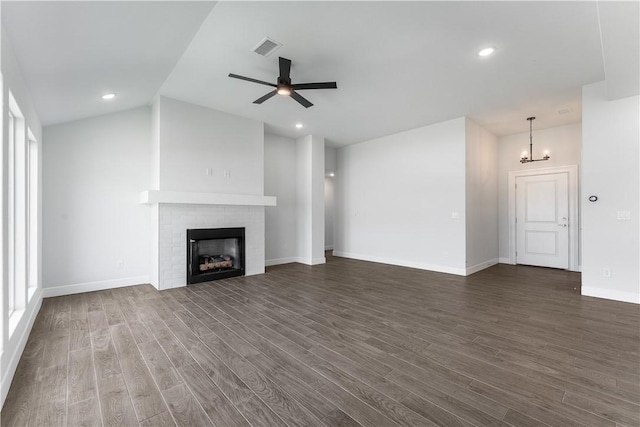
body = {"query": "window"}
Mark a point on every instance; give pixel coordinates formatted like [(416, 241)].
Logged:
[(21, 240), (11, 125), (32, 215)]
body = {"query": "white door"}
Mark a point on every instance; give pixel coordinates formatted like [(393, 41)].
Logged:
[(542, 220)]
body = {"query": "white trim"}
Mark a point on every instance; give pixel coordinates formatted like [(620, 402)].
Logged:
[(174, 285), (574, 215), (403, 263), (504, 260), (278, 261), (311, 261), (12, 365), (152, 197), (328, 248), (612, 295), (481, 266), (93, 286)]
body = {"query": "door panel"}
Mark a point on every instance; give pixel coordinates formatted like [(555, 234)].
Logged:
[(542, 226)]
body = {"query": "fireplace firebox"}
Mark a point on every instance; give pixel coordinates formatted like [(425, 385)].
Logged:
[(214, 253)]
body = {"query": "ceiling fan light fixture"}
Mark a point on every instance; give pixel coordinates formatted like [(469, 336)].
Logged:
[(283, 90), (487, 51)]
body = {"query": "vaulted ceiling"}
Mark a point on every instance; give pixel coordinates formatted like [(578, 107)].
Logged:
[(398, 65)]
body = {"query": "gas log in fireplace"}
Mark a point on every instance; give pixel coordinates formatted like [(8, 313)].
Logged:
[(214, 253)]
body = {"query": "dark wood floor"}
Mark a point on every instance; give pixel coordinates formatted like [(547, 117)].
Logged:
[(348, 343)]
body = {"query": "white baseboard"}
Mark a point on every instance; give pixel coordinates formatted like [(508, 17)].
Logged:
[(403, 263), (14, 357), (612, 295), (278, 261), (312, 261), (481, 266), (504, 260), (93, 286), (300, 260)]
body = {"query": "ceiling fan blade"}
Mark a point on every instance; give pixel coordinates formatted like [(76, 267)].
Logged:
[(264, 98), (323, 85), (249, 79), (302, 100), (285, 68)]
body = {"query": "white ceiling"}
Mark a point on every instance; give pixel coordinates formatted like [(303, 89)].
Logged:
[(398, 65), (71, 53)]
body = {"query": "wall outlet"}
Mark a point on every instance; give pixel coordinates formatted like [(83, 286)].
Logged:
[(455, 215), (208, 172), (624, 215), (606, 272), (120, 264), (227, 174)]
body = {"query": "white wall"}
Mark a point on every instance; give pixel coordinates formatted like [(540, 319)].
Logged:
[(12, 345), (564, 144), (280, 180), (610, 153), (96, 233), (481, 197), (194, 139), (395, 197), (330, 165)]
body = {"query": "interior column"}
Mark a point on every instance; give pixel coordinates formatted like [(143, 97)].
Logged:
[(310, 195)]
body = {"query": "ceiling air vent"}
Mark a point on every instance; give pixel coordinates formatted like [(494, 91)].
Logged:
[(266, 47), (565, 109)]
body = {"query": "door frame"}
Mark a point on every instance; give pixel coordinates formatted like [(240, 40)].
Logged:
[(574, 216)]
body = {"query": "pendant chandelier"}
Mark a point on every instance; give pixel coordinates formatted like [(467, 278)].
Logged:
[(525, 158)]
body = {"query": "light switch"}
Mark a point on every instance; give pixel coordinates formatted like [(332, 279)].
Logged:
[(455, 215)]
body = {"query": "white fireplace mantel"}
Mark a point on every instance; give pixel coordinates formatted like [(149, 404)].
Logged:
[(152, 197)]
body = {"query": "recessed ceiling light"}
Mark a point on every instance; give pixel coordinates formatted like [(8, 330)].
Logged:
[(299, 126), (486, 51), (108, 96)]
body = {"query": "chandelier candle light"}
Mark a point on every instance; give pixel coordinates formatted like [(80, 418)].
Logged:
[(524, 158)]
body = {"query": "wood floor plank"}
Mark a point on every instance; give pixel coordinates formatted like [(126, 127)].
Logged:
[(364, 414), (161, 420), (434, 413), (115, 402), (185, 408), (24, 394), (146, 397), (466, 405), (81, 383), (268, 391), (111, 308), (163, 372), (260, 414), (78, 323), (105, 359), (215, 404), (84, 414), (337, 418), (174, 349), (387, 406)]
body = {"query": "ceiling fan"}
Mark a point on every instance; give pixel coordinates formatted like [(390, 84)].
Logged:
[(285, 87)]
